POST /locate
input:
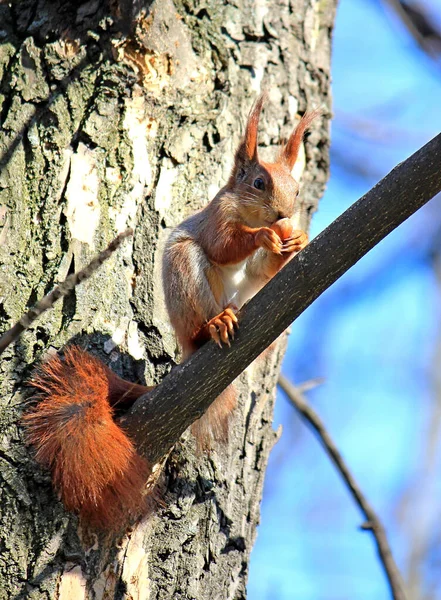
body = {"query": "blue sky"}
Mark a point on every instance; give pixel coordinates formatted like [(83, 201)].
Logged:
[(372, 337)]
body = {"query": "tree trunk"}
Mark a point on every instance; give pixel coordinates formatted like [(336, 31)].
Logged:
[(113, 116)]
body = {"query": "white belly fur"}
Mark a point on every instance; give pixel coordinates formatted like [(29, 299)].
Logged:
[(238, 288)]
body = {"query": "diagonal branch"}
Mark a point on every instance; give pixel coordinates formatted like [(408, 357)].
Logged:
[(157, 420), (373, 523)]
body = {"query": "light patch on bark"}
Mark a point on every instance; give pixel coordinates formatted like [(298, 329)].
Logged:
[(104, 586), (183, 143), (311, 25), (154, 70), (164, 188), (113, 176), (141, 129), (256, 82), (117, 336), (133, 344), (73, 584), (135, 572), (160, 316), (233, 23), (293, 106), (133, 558), (260, 10), (83, 209)]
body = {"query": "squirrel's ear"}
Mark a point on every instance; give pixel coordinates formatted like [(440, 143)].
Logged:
[(290, 151), (247, 150)]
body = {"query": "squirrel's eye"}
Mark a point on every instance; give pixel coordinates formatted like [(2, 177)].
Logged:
[(259, 184)]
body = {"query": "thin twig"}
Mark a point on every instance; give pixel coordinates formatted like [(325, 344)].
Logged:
[(372, 523), (61, 290), (309, 385), (420, 26)]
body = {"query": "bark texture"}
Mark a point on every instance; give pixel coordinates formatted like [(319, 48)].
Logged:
[(127, 115)]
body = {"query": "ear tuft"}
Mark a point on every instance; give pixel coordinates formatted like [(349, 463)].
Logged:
[(250, 139), (290, 152), (247, 150)]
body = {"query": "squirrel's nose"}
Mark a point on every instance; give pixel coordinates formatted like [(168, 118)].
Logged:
[(282, 215)]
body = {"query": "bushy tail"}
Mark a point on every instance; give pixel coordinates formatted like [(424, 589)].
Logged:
[(214, 424), (94, 465)]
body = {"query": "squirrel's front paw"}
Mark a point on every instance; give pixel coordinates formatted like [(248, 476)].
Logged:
[(293, 240), (296, 242), (267, 238), (221, 328)]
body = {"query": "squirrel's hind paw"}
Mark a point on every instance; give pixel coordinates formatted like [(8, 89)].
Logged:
[(221, 328)]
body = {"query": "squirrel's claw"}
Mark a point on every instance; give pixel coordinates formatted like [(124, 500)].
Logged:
[(221, 328), (296, 242), (269, 240), (212, 329)]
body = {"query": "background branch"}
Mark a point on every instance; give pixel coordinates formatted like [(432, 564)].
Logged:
[(421, 27), (157, 420), (373, 523)]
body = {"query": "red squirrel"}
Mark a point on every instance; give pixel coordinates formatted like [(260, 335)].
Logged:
[(220, 257), (213, 263)]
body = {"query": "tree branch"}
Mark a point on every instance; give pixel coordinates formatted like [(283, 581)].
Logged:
[(157, 420), (419, 25), (373, 523)]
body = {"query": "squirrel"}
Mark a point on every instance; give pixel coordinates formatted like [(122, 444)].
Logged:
[(221, 256), (213, 263)]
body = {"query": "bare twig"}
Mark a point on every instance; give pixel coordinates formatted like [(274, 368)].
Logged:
[(418, 23), (61, 290), (306, 386), (372, 523)]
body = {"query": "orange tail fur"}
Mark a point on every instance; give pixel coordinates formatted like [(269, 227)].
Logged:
[(94, 465)]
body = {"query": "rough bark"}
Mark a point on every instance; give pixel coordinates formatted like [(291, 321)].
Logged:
[(110, 121)]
